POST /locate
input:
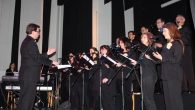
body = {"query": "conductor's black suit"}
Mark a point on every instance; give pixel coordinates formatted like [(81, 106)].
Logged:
[(29, 74)]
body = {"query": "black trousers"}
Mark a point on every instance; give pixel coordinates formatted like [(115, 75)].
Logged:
[(27, 94), (148, 85), (28, 78), (173, 94)]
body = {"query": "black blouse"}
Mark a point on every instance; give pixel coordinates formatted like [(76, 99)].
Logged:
[(171, 61)]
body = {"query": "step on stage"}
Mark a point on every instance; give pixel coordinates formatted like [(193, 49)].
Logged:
[(188, 100)]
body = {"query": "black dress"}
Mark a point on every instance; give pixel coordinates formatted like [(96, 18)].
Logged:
[(108, 90), (172, 75)]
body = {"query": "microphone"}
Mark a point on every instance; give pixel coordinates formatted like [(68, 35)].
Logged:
[(135, 46)]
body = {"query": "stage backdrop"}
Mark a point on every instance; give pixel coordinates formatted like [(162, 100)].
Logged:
[(73, 26)]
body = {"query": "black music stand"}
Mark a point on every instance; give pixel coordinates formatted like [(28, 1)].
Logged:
[(58, 80), (138, 62), (56, 83), (133, 69), (122, 75)]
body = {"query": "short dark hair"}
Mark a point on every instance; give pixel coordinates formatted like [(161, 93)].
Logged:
[(105, 47), (133, 32), (162, 19), (31, 27)]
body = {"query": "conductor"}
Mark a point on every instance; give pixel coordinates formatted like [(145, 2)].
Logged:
[(31, 63)]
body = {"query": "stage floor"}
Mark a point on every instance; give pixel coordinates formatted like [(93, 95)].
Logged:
[(188, 100)]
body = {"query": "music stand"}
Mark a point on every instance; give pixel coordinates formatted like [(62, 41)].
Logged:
[(122, 75), (83, 76), (138, 62), (58, 81)]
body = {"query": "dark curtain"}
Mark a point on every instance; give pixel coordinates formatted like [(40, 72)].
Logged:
[(45, 41), (118, 20), (46, 24), (16, 30), (77, 27), (46, 28), (144, 14)]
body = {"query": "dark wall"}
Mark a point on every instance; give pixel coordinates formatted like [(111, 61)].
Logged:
[(77, 30)]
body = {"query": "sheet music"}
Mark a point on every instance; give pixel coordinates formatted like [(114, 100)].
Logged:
[(128, 58), (88, 59), (110, 59), (63, 66)]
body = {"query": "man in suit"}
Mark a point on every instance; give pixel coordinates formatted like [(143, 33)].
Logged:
[(186, 37), (31, 63)]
